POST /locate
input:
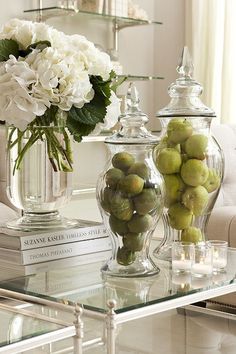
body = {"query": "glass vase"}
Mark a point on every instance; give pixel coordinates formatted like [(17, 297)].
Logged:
[(39, 178), (130, 195), (190, 160)]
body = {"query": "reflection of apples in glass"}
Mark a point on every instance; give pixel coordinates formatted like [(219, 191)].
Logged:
[(174, 189), (191, 234), (195, 199), (213, 181), (180, 217)]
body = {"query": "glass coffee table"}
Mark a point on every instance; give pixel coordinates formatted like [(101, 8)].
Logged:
[(118, 300)]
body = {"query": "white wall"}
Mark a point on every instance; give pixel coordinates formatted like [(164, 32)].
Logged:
[(168, 45)]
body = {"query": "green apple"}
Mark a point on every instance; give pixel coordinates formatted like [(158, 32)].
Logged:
[(213, 181), (140, 223), (146, 201), (168, 161), (174, 187), (195, 199), (123, 160), (194, 172), (180, 217), (196, 145), (134, 242), (121, 207), (178, 130), (131, 185), (191, 234), (140, 169), (113, 176), (119, 227), (125, 257)]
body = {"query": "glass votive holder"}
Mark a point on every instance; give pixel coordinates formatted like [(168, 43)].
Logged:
[(203, 266), (182, 257), (220, 251)]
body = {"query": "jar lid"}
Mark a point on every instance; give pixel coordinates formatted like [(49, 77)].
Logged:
[(133, 121), (185, 92)]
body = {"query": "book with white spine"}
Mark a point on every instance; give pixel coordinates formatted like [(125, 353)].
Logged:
[(12, 270), (43, 254), (20, 240)]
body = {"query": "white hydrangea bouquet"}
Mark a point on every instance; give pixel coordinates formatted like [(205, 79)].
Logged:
[(46, 74)]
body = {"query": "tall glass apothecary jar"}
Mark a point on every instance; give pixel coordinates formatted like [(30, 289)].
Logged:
[(130, 194), (190, 161)]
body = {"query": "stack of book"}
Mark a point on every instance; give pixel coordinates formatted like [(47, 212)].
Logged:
[(25, 253)]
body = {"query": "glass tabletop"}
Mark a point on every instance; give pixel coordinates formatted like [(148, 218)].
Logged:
[(16, 327), (84, 284)]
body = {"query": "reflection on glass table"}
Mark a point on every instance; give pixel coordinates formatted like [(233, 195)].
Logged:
[(84, 284), (117, 300), (23, 330)]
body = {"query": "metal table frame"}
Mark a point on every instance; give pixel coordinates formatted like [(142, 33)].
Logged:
[(110, 318)]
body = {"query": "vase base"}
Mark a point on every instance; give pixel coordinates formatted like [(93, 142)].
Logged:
[(143, 269), (163, 253), (41, 221)]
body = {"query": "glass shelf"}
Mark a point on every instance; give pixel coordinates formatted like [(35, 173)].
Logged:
[(122, 22), (129, 77)]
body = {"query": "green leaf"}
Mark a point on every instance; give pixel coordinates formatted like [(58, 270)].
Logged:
[(8, 47), (78, 130), (82, 121), (41, 45), (91, 113)]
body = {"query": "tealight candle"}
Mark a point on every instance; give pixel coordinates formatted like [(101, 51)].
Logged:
[(182, 256), (220, 249), (203, 260), (202, 269)]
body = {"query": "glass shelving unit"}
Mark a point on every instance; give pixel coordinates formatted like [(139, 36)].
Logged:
[(129, 77), (122, 22), (45, 13)]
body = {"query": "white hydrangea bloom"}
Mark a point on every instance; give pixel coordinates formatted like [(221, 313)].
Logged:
[(17, 105), (58, 75), (97, 62), (19, 30), (61, 77)]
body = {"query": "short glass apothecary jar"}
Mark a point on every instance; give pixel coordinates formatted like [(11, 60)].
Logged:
[(190, 161), (130, 194)]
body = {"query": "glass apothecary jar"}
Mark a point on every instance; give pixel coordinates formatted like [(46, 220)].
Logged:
[(130, 194), (190, 161)]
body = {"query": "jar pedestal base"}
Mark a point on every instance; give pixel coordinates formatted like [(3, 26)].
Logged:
[(163, 253), (138, 269), (33, 221)]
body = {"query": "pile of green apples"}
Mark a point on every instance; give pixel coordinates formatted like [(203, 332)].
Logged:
[(181, 159), (130, 201)]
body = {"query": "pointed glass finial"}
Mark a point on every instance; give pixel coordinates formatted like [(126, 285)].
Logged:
[(132, 122), (132, 99), (185, 92), (185, 67)]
